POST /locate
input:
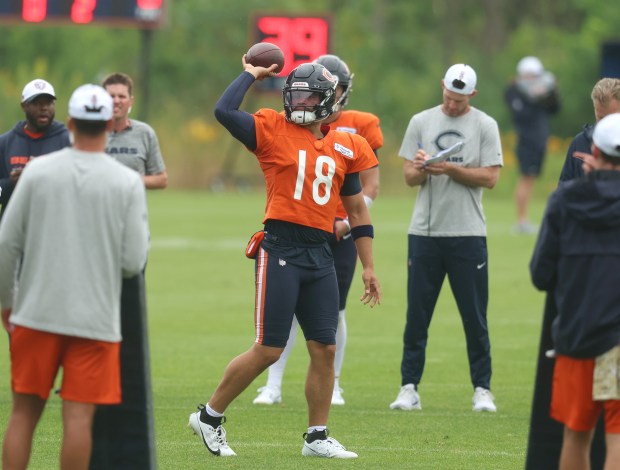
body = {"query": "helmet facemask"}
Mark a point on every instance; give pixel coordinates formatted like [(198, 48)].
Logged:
[(305, 106)]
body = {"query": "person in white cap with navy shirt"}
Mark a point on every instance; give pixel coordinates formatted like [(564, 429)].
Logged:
[(38, 134), (577, 261), (447, 233), (532, 97), (77, 222)]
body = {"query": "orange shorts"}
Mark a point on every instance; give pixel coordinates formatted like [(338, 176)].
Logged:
[(91, 368), (571, 397)]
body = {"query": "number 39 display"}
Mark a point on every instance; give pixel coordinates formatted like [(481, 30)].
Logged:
[(301, 38)]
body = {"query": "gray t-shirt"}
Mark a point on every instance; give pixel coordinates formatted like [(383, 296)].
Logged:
[(76, 222), (444, 207), (137, 147)]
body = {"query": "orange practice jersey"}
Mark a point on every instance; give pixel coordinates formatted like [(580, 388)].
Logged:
[(364, 124), (303, 174)]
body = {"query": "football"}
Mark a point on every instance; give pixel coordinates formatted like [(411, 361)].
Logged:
[(265, 54)]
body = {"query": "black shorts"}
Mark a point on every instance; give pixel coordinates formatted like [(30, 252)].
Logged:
[(530, 156), (283, 290)]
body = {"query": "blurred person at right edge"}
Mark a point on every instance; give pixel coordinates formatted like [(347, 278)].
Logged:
[(531, 97), (577, 261), (545, 435), (343, 247), (606, 100)]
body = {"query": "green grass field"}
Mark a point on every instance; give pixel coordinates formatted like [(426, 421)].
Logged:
[(200, 302)]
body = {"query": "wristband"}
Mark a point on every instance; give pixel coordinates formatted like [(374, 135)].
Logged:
[(363, 231), (368, 200)]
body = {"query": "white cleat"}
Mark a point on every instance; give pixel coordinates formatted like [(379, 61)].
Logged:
[(328, 448), (407, 399), (337, 398), (213, 438), (268, 396), (483, 400)]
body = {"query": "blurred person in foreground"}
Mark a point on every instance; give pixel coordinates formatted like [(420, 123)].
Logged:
[(308, 169), (577, 261), (605, 100), (447, 233), (343, 246), (532, 97), (545, 434), (77, 223), (37, 135)]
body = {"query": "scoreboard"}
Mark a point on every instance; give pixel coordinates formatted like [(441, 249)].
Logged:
[(301, 38), (145, 13)]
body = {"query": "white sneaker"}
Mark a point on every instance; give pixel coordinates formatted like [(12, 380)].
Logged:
[(483, 400), (328, 448), (407, 399), (337, 397), (524, 228), (213, 438), (268, 396)]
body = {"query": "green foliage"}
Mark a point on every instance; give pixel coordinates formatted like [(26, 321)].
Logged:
[(398, 50)]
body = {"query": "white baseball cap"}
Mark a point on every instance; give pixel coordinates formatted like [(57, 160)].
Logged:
[(35, 88), (90, 103), (530, 65), (606, 135), (460, 78)]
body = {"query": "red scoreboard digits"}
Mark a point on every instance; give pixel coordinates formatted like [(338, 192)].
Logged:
[(144, 12), (301, 38)]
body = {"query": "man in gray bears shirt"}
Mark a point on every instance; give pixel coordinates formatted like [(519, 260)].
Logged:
[(133, 143), (447, 234)]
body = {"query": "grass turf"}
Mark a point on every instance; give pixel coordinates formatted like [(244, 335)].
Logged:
[(200, 305)]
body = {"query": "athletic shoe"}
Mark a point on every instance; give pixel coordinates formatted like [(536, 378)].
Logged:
[(337, 397), (328, 448), (483, 400), (268, 396), (524, 228), (213, 438), (407, 399)]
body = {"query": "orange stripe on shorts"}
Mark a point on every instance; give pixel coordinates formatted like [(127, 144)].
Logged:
[(259, 301)]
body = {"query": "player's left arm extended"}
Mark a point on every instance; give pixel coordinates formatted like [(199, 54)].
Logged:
[(485, 177), (363, 233), (156, 181)]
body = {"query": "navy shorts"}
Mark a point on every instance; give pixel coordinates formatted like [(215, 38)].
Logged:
[(283, 290), (530, 156)]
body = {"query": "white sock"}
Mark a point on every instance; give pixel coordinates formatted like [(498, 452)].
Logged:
[(341, 342), (276, 370), (312, 429), (211, 412)]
